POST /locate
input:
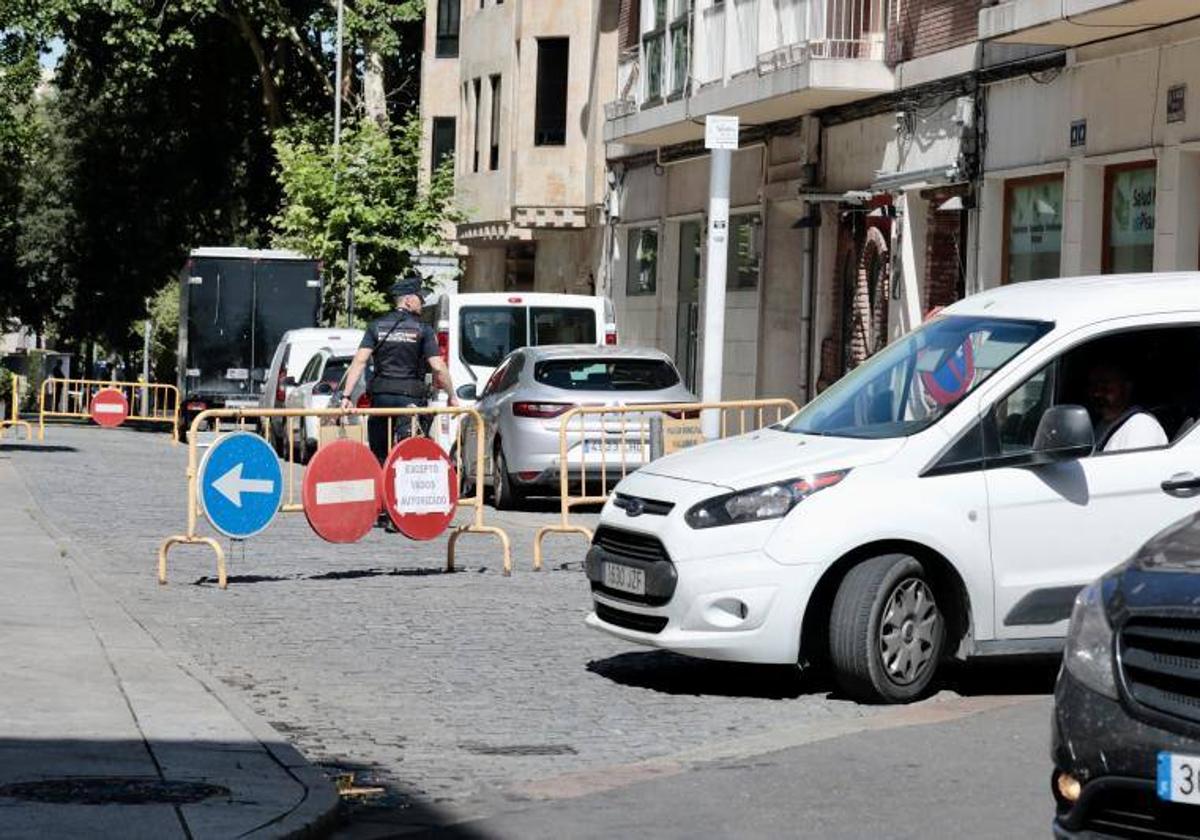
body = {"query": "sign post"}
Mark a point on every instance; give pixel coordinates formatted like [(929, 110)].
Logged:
[(420, 488), (109, 407), (721, 137), (241, 484), (341, 491)]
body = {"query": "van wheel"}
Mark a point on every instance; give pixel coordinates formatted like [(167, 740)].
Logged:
[(505, 495), (885, 630)]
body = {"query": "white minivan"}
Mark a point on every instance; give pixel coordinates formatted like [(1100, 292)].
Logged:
[(948, 498), (476, 331), (295, 350)]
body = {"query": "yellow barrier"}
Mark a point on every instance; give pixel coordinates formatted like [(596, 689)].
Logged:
[(256, 418), (640, 442), (149, 402), (14, 398)]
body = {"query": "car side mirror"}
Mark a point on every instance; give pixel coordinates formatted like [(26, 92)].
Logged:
[(322, 389), (1064, 432), (467, 392), (289, 382)]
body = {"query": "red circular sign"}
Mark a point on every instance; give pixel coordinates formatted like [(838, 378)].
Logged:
[(420, 488), (341, 491), (109, 407)]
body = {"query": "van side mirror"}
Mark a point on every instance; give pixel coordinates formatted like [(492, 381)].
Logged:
[(289, 382), (323, 389), (466, 392), (258, 375), (1065, 432)]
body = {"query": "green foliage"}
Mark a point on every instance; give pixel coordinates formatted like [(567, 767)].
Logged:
[(163, 310), (367, 192), (6, 379)]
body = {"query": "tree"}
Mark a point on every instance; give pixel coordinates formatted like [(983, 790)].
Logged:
[(367, 192)]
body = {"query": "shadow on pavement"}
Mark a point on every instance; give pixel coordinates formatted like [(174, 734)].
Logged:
[(1010, 676), (343, 574), (35, 447), (671, 673)]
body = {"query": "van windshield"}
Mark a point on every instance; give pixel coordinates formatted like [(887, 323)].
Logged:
[(489, 333), (913, 383)]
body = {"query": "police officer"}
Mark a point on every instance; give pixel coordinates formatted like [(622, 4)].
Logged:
[(402, 347)]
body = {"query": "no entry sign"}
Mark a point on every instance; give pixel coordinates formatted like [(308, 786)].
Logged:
[(341, 491), (109, 407), (420, 488)]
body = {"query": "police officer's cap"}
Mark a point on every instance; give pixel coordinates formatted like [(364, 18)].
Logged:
[(410, 285)]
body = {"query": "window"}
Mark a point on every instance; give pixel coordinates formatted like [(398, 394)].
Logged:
[(1129, 203), (561, 326), (442, 145), (642, 277), (489, 333), (666, 52), (1033, 213), (335, 370), (312, 370), (494, 134), (550, 109), (745, 251), (606, 374), (447, 29), (477, 88)]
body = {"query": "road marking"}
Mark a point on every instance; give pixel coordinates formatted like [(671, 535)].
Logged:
[(108, 408), (344, 492), (587, 782), (232, 485)]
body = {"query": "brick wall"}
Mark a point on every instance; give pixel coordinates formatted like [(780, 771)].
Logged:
[(943, 250), (924, 27)]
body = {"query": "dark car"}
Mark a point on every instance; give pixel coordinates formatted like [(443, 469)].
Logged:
[(1127, 705)]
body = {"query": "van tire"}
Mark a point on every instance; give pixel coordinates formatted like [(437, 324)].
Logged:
[(886, 631)]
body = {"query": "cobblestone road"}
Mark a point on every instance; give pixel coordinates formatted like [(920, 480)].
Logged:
[(464, 690)]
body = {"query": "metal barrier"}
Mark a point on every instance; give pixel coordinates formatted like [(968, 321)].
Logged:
[(648, 438), (256, 419), (149, 402), (15, 421)]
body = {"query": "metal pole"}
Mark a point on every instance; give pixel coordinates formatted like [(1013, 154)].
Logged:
[(714, 287), (149, 325), (337, 81), (351, 266)]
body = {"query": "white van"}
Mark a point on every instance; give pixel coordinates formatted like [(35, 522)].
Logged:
[(295, 350), (948, 498), (476, 331)]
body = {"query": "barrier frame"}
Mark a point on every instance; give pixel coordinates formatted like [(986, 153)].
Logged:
[(783, 407), (16, 420), (51, 392), (240, 418)]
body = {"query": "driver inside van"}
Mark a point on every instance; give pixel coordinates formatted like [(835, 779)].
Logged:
[(1120, 423)]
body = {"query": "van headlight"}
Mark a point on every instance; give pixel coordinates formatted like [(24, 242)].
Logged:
[(770, 501), (1089, 651)]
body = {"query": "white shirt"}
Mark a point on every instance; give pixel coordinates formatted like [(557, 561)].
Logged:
[(1141, 431)]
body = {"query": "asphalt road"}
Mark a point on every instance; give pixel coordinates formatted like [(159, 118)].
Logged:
[(475, 705)]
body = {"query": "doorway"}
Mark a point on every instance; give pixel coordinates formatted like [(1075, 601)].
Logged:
[(688, 306)]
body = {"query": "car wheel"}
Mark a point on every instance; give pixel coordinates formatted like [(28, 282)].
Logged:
[(885, 630), (466, 484), (505, 495)]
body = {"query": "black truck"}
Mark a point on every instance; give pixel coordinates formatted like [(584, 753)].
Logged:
[(234, 306)]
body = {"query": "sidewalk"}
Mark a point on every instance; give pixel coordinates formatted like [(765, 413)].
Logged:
[(135, 738)]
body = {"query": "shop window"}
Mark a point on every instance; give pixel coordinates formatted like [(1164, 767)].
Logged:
[(550, 108), (1033, 213), (1129, 199), (745, 251), (642, 271)]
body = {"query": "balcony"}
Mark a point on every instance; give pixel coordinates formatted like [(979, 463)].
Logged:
[(762, 60), (1069, 23)]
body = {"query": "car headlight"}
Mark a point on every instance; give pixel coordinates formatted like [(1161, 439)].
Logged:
[(1089, 651), (770, 501)]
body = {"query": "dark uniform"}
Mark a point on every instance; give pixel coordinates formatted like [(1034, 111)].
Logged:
[(401, 346)]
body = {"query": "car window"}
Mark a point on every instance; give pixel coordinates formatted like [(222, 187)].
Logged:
[(512, 372), (560, 325), (1017, 415), (489, 333), (334, 370), (493, 383), (312, 371), (606, 374)]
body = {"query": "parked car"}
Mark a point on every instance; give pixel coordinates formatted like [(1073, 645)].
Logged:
[(315, 390), (1127, 706), (295, 350), (532, 388), (947, 498)]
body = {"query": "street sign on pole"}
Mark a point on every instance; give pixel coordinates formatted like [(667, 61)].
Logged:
[(342, 491), (420, 488), (241, 484), (109, 407), (721, 136)]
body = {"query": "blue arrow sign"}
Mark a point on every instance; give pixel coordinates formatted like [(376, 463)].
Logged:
[(241, 484)]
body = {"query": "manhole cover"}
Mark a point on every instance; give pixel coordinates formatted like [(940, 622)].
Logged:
[(114, 791)]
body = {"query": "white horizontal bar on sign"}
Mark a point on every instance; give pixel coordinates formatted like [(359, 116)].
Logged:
[(345, 492), (108, 408)]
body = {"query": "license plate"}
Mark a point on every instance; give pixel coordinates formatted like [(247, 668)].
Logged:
[(612, 447), (625, 578), (1179, 778), (241, 403)]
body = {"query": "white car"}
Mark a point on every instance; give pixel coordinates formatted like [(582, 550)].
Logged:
[(948, 498), (315, 389), (295, 350)]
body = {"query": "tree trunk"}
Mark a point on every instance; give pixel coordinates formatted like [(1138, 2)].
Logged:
[(374, 97), (266, 76)]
